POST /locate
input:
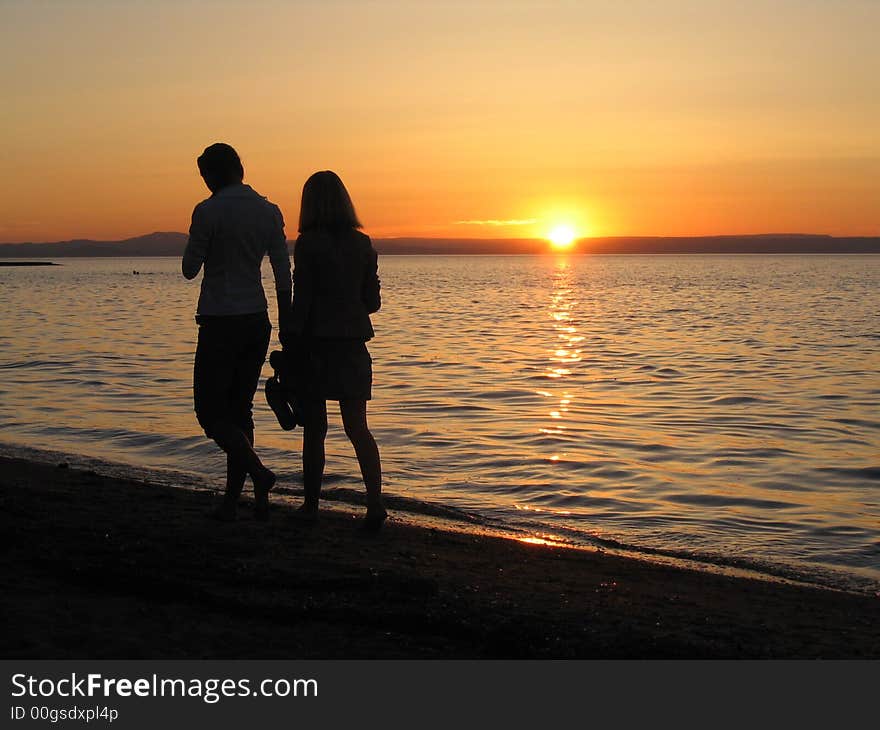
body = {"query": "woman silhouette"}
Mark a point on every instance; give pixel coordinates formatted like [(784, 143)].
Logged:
[(335, 289)]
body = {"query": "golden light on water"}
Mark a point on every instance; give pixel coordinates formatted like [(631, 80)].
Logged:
[(539, 541)]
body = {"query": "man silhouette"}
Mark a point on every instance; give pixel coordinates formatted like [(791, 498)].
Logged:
[(230, 234)]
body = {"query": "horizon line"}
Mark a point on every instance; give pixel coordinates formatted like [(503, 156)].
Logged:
[(481, 239)]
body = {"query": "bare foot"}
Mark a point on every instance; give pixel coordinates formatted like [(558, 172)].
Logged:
[(306, 513), (373, 520), (263, 484)]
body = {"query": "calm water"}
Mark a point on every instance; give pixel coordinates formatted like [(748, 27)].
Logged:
[(721, 408)]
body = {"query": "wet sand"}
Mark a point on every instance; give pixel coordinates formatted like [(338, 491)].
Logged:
[(99, 567)]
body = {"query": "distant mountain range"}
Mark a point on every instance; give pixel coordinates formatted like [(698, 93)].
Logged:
[(153, 244), (172, 244)]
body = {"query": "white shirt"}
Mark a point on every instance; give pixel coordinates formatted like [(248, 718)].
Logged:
[(230, 233)]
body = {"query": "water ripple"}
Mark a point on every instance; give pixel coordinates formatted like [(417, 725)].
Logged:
[(719, 408)]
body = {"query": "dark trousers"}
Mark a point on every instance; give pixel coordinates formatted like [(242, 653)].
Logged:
[(229, 357)]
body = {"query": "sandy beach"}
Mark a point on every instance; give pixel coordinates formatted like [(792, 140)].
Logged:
[(98, 567)]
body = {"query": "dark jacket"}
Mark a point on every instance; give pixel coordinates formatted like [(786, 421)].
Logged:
[(335, 285)]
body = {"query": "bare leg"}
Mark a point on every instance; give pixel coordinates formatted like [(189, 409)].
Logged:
[(236, 474), (354, 420), (314, 433), (226, 373), (240, 452)]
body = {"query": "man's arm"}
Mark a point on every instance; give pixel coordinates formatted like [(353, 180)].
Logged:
[(197, 246), (279, 257)]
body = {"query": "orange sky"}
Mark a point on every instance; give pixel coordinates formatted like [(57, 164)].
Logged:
[(454, 119)]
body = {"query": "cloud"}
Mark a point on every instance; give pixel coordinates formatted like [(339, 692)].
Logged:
[(494, 222)]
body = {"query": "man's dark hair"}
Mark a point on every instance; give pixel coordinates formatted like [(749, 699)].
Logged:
[(220, 166)]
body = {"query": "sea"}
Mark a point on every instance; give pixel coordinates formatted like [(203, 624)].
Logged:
[(718, 411)]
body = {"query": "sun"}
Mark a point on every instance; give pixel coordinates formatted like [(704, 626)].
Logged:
[(562, 236)]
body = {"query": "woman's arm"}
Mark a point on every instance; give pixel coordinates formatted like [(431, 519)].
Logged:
[(371, 288)]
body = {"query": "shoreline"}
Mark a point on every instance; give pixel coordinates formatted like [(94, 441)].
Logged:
[(107, 567), (438, 515)]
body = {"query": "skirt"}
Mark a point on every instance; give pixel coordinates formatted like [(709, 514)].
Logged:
[(336, 369)]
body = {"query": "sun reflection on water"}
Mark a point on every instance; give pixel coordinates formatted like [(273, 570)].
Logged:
[(563, 356)]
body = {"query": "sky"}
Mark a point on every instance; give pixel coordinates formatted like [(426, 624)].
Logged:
[(450, 119)]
